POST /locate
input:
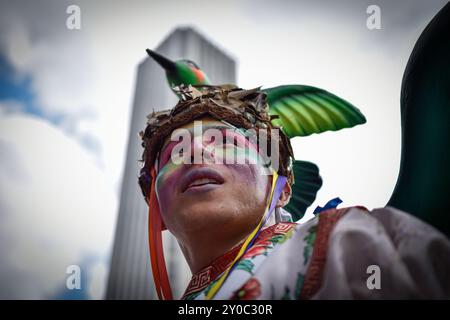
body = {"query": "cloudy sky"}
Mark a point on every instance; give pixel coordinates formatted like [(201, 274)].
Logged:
[(66, 97)]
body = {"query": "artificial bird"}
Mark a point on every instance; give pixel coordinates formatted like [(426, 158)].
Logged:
[(302, 110)]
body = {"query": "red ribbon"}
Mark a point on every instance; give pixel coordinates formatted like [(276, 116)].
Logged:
[(157, 260)]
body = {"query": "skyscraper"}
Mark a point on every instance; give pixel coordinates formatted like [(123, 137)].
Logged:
[(130, 272)]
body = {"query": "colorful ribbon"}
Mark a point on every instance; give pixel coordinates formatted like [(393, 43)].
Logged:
[(332, 204), (278, 183)]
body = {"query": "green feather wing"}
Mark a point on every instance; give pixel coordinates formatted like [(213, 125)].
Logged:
[(304, 190), (304, 110)]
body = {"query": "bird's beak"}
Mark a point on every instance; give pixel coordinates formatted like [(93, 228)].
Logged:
[(167, 64)]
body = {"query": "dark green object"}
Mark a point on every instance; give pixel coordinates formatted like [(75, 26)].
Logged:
[(304, 190), (180, 72), (423, 185)]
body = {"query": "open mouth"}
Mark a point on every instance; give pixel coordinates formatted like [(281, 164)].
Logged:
[(201, 177)]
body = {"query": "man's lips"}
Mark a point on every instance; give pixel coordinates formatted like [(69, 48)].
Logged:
[(200, 176)]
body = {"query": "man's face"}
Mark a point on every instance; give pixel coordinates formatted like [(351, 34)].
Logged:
[(224, 195)]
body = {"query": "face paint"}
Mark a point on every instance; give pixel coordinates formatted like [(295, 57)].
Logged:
[(167, 178), (235, 150), (232, 146), (168, 146), (238, 149)]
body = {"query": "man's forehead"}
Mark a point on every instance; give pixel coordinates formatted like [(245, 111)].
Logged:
[(205, 123)]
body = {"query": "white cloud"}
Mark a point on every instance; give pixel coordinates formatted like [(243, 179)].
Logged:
[(10, 106), (59, 64), (56, 211)]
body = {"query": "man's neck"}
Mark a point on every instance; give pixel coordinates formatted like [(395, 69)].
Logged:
[(200, 251)]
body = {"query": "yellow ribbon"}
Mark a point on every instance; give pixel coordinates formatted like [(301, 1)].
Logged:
[(215, 288)]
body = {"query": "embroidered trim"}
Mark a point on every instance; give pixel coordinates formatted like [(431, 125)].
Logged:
[(203, 278), (314, 275)]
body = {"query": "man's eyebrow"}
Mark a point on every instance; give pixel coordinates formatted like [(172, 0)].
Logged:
[(218, 127), (190, 130)]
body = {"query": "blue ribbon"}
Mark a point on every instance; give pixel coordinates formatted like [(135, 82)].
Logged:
[(332, 204)]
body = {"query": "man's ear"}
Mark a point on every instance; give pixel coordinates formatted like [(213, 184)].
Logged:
[(285, 195)]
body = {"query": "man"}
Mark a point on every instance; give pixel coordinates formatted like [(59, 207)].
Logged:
[(209, 180)]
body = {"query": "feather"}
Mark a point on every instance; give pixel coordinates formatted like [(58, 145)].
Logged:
[(304, 110), (304, 190)]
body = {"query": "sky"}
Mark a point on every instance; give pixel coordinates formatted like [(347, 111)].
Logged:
[(66, 97)]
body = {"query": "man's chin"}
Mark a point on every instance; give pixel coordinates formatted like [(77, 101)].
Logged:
[(204, 213)]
